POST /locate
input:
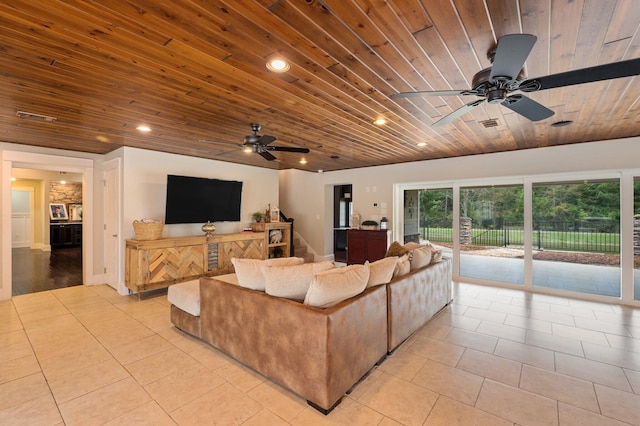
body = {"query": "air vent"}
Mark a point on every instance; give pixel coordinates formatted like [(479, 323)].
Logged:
[(492, 122), (32, 116)]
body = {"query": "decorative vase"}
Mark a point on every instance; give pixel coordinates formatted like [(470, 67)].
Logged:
[(208, 228)]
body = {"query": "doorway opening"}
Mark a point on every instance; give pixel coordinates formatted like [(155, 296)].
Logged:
[(35, 161), (46, 216), (342, 210)]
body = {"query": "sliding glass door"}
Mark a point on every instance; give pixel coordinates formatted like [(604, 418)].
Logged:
[(576, 236), (636, 238), (492, 233)]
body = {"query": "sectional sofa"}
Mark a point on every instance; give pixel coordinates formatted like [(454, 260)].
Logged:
[(318, 353)]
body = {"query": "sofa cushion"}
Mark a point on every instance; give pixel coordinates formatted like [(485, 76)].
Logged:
[(186, 296), (419, 257), (249, 271), (403, 267), (396, 249), (292, 282), (331, 287), (412, 245), (381, 271), (436, 256), (284, 261)]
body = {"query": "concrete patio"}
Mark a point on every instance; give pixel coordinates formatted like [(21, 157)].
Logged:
[(590, 279)]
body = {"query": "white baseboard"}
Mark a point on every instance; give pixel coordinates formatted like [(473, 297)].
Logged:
[(101, 279)]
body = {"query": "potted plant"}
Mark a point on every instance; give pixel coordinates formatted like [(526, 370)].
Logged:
[(257, 217), (370, 225)]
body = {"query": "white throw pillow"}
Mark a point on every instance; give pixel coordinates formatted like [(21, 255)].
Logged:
[(419, 257), (292, 282), (249, 271), (403, 267), (412, 246), (332, 287), (381, 271), (284, 261)]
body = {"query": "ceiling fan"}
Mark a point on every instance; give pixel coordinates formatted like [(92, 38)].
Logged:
[(260, 144), (496, 83)]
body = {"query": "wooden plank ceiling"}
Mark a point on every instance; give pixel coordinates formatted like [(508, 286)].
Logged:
[(194, 70)]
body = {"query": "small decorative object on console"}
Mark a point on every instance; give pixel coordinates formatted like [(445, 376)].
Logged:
[(275, 214), (355, 221), (258, 217), (275, 236), (369, 225), (384, 224), (208, 228), (148, 229)]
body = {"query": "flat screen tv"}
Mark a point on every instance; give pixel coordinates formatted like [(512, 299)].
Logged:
[(198, 200)]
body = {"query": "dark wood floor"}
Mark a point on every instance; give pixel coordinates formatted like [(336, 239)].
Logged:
[(37, 270)]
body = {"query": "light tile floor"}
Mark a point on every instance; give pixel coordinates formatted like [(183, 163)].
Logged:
[(87, 356)]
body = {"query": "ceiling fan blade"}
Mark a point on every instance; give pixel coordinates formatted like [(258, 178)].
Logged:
[(511, 53), (611, 71), (527, 107), (267, 155), (457, 113), (266, 139), (434, 93), (287, 149)]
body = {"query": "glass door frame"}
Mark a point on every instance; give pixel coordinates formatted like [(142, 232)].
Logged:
[(626, 179)]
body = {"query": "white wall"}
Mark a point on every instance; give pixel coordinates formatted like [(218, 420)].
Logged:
[(303, 195), (145, 185), (144, 191)]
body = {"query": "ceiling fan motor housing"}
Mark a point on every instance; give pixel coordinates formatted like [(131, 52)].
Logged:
[(496, 95), (482, 82)]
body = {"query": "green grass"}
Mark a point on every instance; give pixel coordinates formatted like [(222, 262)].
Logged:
[(595, 242)]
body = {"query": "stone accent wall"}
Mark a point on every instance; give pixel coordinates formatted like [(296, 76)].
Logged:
[(465, 230), (68, 193), (636, 235), (413, 238)]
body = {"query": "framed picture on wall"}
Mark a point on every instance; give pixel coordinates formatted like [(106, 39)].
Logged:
[(57, 212)]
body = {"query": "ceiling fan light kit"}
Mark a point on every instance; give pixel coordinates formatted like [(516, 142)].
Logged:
[(506, 75), (259, 144)]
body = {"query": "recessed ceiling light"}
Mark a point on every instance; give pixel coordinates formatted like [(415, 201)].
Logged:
[(144, 128), (247, 149), (13, 179), (561, 123), (380, 121), (277, 64), (422, 144), (303, 161)]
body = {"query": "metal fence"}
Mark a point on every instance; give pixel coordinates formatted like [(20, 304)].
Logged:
[(587, 236)]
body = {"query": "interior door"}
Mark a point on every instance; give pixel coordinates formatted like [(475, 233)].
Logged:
[(21, 218), (111, 227)]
